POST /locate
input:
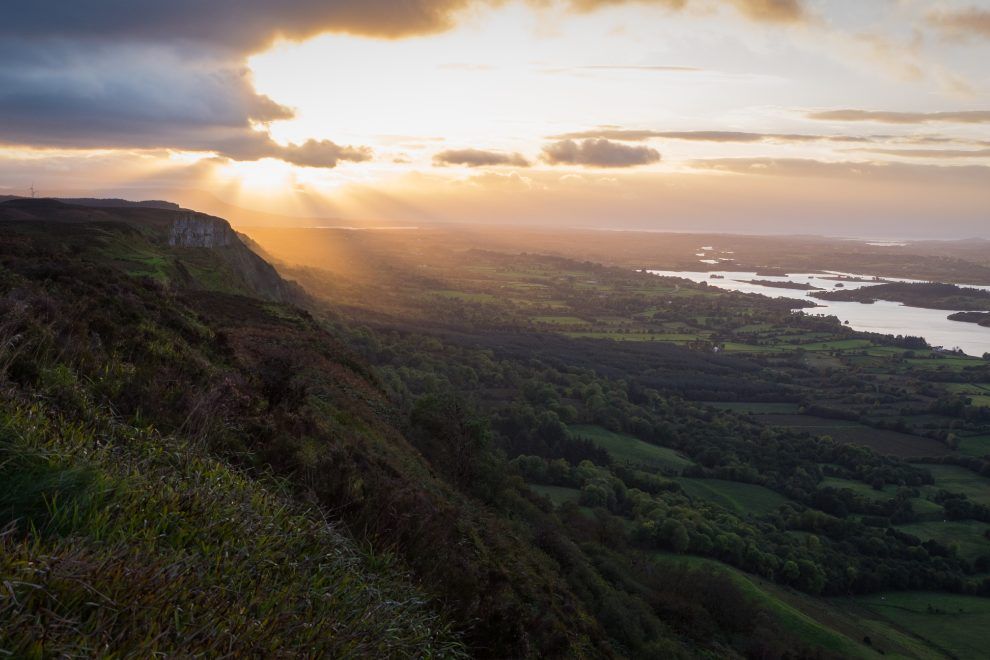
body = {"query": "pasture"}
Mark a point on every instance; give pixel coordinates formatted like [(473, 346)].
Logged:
[(627, 449), (733, 495)]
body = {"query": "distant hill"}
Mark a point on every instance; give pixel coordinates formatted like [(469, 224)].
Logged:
[(103, 203)]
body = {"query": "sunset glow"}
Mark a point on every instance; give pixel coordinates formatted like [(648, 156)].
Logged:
[(608, 114)]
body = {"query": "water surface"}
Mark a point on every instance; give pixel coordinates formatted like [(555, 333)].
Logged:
[(889, 318)]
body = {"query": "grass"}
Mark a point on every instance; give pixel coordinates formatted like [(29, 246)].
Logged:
[(118, 539), (967, 536), (560, 320), (977, 445), (734, 495), (920, 505), (956, 625), (756, 407), (881, 440), (630, 450), (860, 488), (464, 295), (814, 621), (960, 480), (557, 494)]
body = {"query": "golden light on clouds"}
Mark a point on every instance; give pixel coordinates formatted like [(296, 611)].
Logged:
[(540, 112)]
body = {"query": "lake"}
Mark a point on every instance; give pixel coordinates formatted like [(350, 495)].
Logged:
[(889, 318)]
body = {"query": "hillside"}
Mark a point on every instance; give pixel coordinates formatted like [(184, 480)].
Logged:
[(112, 319)]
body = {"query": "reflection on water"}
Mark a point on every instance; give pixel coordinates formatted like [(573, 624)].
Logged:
[(885, 317)]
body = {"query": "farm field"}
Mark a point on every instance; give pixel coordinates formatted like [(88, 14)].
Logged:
[(557, 494), (953, 624), (960, 480), (881, 440), (977, 445), (756, 407), (627, 449), (967, 536), (827, 624), (734, 495)]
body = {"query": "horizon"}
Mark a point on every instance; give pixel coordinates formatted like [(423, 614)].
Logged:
[(361, 224)]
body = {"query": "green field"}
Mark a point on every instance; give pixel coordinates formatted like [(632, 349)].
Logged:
[(756, 407), (960, 480), (557, 494), (883, 441), (956, 625), (734, 495), (977, 445), (464, 295), (817, 622), (560, 320), (967, 536), (632, 451)]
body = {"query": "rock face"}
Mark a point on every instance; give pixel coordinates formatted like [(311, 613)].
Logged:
[(200, 231)]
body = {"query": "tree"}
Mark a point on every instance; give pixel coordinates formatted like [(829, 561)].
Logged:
[(675, 535)]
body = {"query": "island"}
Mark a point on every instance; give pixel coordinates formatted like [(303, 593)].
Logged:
[(802, 286), (930, 295), (979, 318)]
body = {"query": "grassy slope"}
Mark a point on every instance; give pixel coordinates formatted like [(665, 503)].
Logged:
[(119, 538), (955, 625), (817, 622)]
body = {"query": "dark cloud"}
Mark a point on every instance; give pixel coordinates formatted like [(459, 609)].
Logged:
[(890, 117), (239, 25), (598, 153), (970, 22), (636, 135), (128, 96), (803, 167), (76, 86), (479, 158)]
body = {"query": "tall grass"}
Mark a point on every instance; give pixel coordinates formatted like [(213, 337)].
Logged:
[(116, 541)]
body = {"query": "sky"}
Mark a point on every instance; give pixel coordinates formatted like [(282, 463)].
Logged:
[(839, 117)]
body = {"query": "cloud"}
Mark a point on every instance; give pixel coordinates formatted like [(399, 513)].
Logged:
[(763, 11), (858, 170), (637, 135), (665, 68), (320, 153), (891, 117), (598, 153), (772, 11), (479, 158), (235, 25), (930, 153), (970, 22), (147, 75)]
